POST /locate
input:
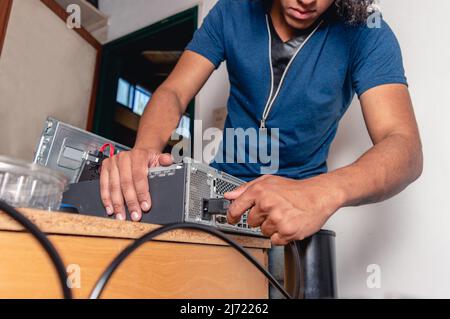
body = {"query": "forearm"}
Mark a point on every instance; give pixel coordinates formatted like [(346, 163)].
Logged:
[(160, 118), (382, 172), (171, 99)]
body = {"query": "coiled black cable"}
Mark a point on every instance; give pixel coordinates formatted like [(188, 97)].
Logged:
[(112, 267), (45, 243)]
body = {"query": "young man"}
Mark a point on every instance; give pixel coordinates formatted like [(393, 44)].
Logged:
[(293, 65)]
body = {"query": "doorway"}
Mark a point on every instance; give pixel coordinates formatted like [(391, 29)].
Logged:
[(132, 68)]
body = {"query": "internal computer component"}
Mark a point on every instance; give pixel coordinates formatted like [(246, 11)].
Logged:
[(72, 151)]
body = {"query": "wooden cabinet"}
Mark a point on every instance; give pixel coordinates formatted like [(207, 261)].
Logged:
[(180, 264)]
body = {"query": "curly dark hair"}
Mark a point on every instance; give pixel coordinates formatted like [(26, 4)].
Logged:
[(355, 11)]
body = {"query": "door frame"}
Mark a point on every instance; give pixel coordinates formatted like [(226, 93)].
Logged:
[(5, 11)]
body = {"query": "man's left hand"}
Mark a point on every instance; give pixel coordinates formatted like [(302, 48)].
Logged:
[(284, 209)]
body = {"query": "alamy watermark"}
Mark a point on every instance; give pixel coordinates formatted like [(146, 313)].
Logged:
[(373, 281), (250, 145), (73, 276), (73, 21), (375, 16)]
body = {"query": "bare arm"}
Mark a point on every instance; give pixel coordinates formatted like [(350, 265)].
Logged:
[(170, 101), (396, 158), (123, 179)]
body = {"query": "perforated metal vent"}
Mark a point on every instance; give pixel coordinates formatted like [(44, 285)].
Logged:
[(223, 186), (199, 189)]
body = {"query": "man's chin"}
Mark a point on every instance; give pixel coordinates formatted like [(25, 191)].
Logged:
[(299, 24)]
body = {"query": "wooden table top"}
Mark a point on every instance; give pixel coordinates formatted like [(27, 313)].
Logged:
[(81, 225)]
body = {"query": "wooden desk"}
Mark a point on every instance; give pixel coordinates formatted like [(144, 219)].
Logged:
[(180, 264)]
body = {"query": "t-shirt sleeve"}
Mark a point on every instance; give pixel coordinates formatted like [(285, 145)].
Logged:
[(208, 40), (377, 59)]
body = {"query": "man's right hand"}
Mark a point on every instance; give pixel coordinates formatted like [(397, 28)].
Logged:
[(124, 181)]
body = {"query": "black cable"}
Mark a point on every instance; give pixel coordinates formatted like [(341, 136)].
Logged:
[(45, 243), (106, 276), (298, 287)]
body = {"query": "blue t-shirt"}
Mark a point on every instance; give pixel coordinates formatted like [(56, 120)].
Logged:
[(337, 61)]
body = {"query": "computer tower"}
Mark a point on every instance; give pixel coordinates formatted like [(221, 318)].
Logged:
[(178, 193)]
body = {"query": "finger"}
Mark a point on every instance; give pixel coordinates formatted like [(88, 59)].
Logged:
[(140, 179), (278, 240), (165, 159), (236, 192), (127, 187), (104, 189), (268, 228), (239, 206), (256, 216), (241, 189), (289, 226), (115, 190)]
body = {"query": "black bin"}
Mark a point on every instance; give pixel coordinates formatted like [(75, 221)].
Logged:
[(318, 266)]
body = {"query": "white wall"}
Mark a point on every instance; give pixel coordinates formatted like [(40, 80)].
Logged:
[(129, 16), (46, 69), (408, 236)]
